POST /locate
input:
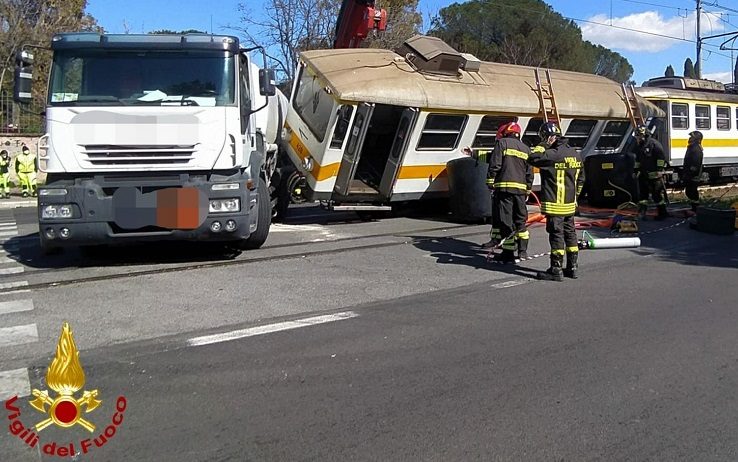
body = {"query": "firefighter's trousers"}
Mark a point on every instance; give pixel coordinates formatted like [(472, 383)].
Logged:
[(562, 235), (693, 194), (27, 181), (4, 183), (653, 188), (509, 216)]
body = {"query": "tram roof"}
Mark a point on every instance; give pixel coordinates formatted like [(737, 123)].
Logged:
[(383, 77), (676, 93)]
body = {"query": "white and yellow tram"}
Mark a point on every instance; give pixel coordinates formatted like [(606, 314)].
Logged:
[(703, 105), (370, 126)]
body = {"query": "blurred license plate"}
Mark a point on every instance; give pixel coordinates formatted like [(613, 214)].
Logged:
[(729, 171)]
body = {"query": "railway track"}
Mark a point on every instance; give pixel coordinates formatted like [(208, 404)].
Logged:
[(300, 252)]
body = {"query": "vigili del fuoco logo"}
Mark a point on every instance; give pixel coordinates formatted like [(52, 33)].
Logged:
[(66, 377)]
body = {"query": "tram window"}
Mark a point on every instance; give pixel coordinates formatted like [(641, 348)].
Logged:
[(612, 134), (441, 132), (723, 118), (487, 131), (680, 116), (530, 137), (736, 118), (702, 116), (578, 132), (313, 104), (342, 125)]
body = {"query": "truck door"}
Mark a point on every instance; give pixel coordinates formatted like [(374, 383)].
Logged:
[(351, 156), (397, 152)]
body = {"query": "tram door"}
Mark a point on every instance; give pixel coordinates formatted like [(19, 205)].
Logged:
[(352, 155), (397, 152)]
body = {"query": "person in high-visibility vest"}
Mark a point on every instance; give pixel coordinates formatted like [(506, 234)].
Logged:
[(25, 167), (4, 174)]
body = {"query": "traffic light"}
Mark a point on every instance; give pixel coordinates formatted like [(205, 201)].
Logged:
[(23, 76)]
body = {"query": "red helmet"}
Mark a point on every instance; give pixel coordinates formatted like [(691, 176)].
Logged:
[(501, 130), (512, 127)]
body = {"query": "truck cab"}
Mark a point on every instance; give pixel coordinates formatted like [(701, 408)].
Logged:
[(155, 137)]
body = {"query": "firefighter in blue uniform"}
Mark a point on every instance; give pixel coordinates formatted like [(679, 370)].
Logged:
[(511, 178), (649, 166), (562, 179)]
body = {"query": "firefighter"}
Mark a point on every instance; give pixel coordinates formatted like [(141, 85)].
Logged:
[(650, 163), (25, 168), (693, 168), (511, 178), (4, 174), (562, 179)]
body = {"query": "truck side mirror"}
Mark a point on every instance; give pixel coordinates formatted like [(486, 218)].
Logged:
[(23, 77), (267, 84)]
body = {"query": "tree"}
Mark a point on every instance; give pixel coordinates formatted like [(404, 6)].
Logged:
[(528, 32), (286, 27), (669, 71), (689, 69), (403, 21), (33, 22)]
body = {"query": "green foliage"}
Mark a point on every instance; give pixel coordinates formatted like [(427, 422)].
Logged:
[(669, 71), (526, 32)]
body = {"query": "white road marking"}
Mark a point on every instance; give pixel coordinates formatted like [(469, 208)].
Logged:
[(26, 291), (9, 228), (513, 283), (282, 228), (17, 335), (14, 383), (4, 259), (269, 328), (16, 306), (14, 270), (12, 285), (8, 233)]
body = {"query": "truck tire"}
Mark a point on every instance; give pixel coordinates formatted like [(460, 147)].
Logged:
[(264, 220)]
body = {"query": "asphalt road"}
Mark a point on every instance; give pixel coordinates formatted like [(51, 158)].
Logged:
[(435, 355)]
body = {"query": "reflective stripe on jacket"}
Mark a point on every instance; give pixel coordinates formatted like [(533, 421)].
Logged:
[(509, 170), (562, 177)]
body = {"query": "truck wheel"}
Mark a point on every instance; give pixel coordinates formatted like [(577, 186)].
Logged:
[(264, 220)]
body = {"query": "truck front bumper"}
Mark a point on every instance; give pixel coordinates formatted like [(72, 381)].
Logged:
[(111, 211)]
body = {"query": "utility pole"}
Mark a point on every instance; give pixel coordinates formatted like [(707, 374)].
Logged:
[(699, 41)]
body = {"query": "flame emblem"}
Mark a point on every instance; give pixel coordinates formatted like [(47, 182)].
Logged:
[(66, 377)]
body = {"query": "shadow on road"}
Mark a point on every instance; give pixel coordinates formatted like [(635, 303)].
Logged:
[(27, 251), (452, 251)]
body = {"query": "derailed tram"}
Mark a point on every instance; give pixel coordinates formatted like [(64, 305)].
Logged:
[(371, 127)]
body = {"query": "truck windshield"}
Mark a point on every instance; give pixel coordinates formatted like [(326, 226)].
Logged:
[(105, 77)]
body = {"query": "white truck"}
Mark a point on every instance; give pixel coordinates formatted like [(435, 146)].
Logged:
[(155, 137)]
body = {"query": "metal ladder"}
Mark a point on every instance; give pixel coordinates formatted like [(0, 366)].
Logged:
[(546, 93), (631, 102)]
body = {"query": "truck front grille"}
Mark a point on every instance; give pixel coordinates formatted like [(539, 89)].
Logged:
[(103, 155)]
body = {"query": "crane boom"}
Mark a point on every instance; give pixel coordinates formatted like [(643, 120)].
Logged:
[(355, 20)]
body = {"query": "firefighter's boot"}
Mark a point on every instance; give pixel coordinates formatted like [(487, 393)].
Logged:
[(571, 265), (507, 256), (523, 249), (492, 243), (553, 273)]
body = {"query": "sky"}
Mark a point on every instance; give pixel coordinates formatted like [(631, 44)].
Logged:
[(671, 26)]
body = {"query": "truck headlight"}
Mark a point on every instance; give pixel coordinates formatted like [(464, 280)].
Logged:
[(57, 211), (225, 205)]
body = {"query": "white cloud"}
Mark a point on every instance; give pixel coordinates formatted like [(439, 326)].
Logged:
[(649, 21), (724, 77)]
